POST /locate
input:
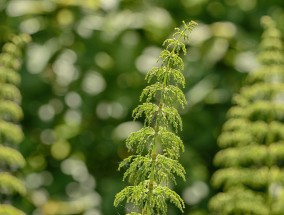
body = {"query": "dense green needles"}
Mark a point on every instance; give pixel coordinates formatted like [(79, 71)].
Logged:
[(251, 161), (10, 132), (156, 146)]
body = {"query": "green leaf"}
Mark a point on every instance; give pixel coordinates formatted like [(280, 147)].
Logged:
[(6, 209), (239, 200), (139, 140), (8, 60), (9, 184), (11, 157), (169, 94), (162, 193), (10, 92), (175, 44), (10, 110), (139, 168), (9, 76), (157, 204), (10, 132), (134, 194), (171, 60), (170, 115), (170, 75), (149, 110), (166, 169), (171, 143)]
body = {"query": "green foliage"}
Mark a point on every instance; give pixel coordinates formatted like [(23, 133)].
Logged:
[(9, 210), (252, 155), (10, 115), (155, 166), (10, 184), (11, 132), (74, 206), (117, 41), (10, 157), (156, 200), (245, 202)]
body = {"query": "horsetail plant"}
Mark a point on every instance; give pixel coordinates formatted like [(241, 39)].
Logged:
[(10, 132), (157, 146), (251, 159)]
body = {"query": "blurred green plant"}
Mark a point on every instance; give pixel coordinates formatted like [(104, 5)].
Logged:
[(11, 133), (155, 164), (252, 156)]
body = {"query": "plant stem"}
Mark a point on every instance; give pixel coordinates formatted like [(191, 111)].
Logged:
[(146, 210), (147, 207)]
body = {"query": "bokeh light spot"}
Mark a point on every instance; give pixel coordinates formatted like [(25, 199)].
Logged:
[(46, 112), (195, 193), (60, 150), (31, 26), (123, 130), (47, 136), (73, 100), (93, 83), (148, 59), (73, 117), (65, 17), (104, 60)]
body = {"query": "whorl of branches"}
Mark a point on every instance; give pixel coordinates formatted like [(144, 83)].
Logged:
[(251, 159), (157, 145), (10, 131)]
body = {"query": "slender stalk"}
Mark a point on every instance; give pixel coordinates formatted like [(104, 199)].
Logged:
[(154, 151), (154, 154)]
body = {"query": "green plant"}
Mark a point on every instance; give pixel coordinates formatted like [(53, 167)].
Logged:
[(252, 156), (10, 131), (156, 145)]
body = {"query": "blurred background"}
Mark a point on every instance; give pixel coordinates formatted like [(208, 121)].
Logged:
[(83, 74)]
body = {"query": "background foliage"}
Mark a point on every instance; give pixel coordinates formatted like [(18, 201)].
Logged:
[(251, 158), (83, 74)]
